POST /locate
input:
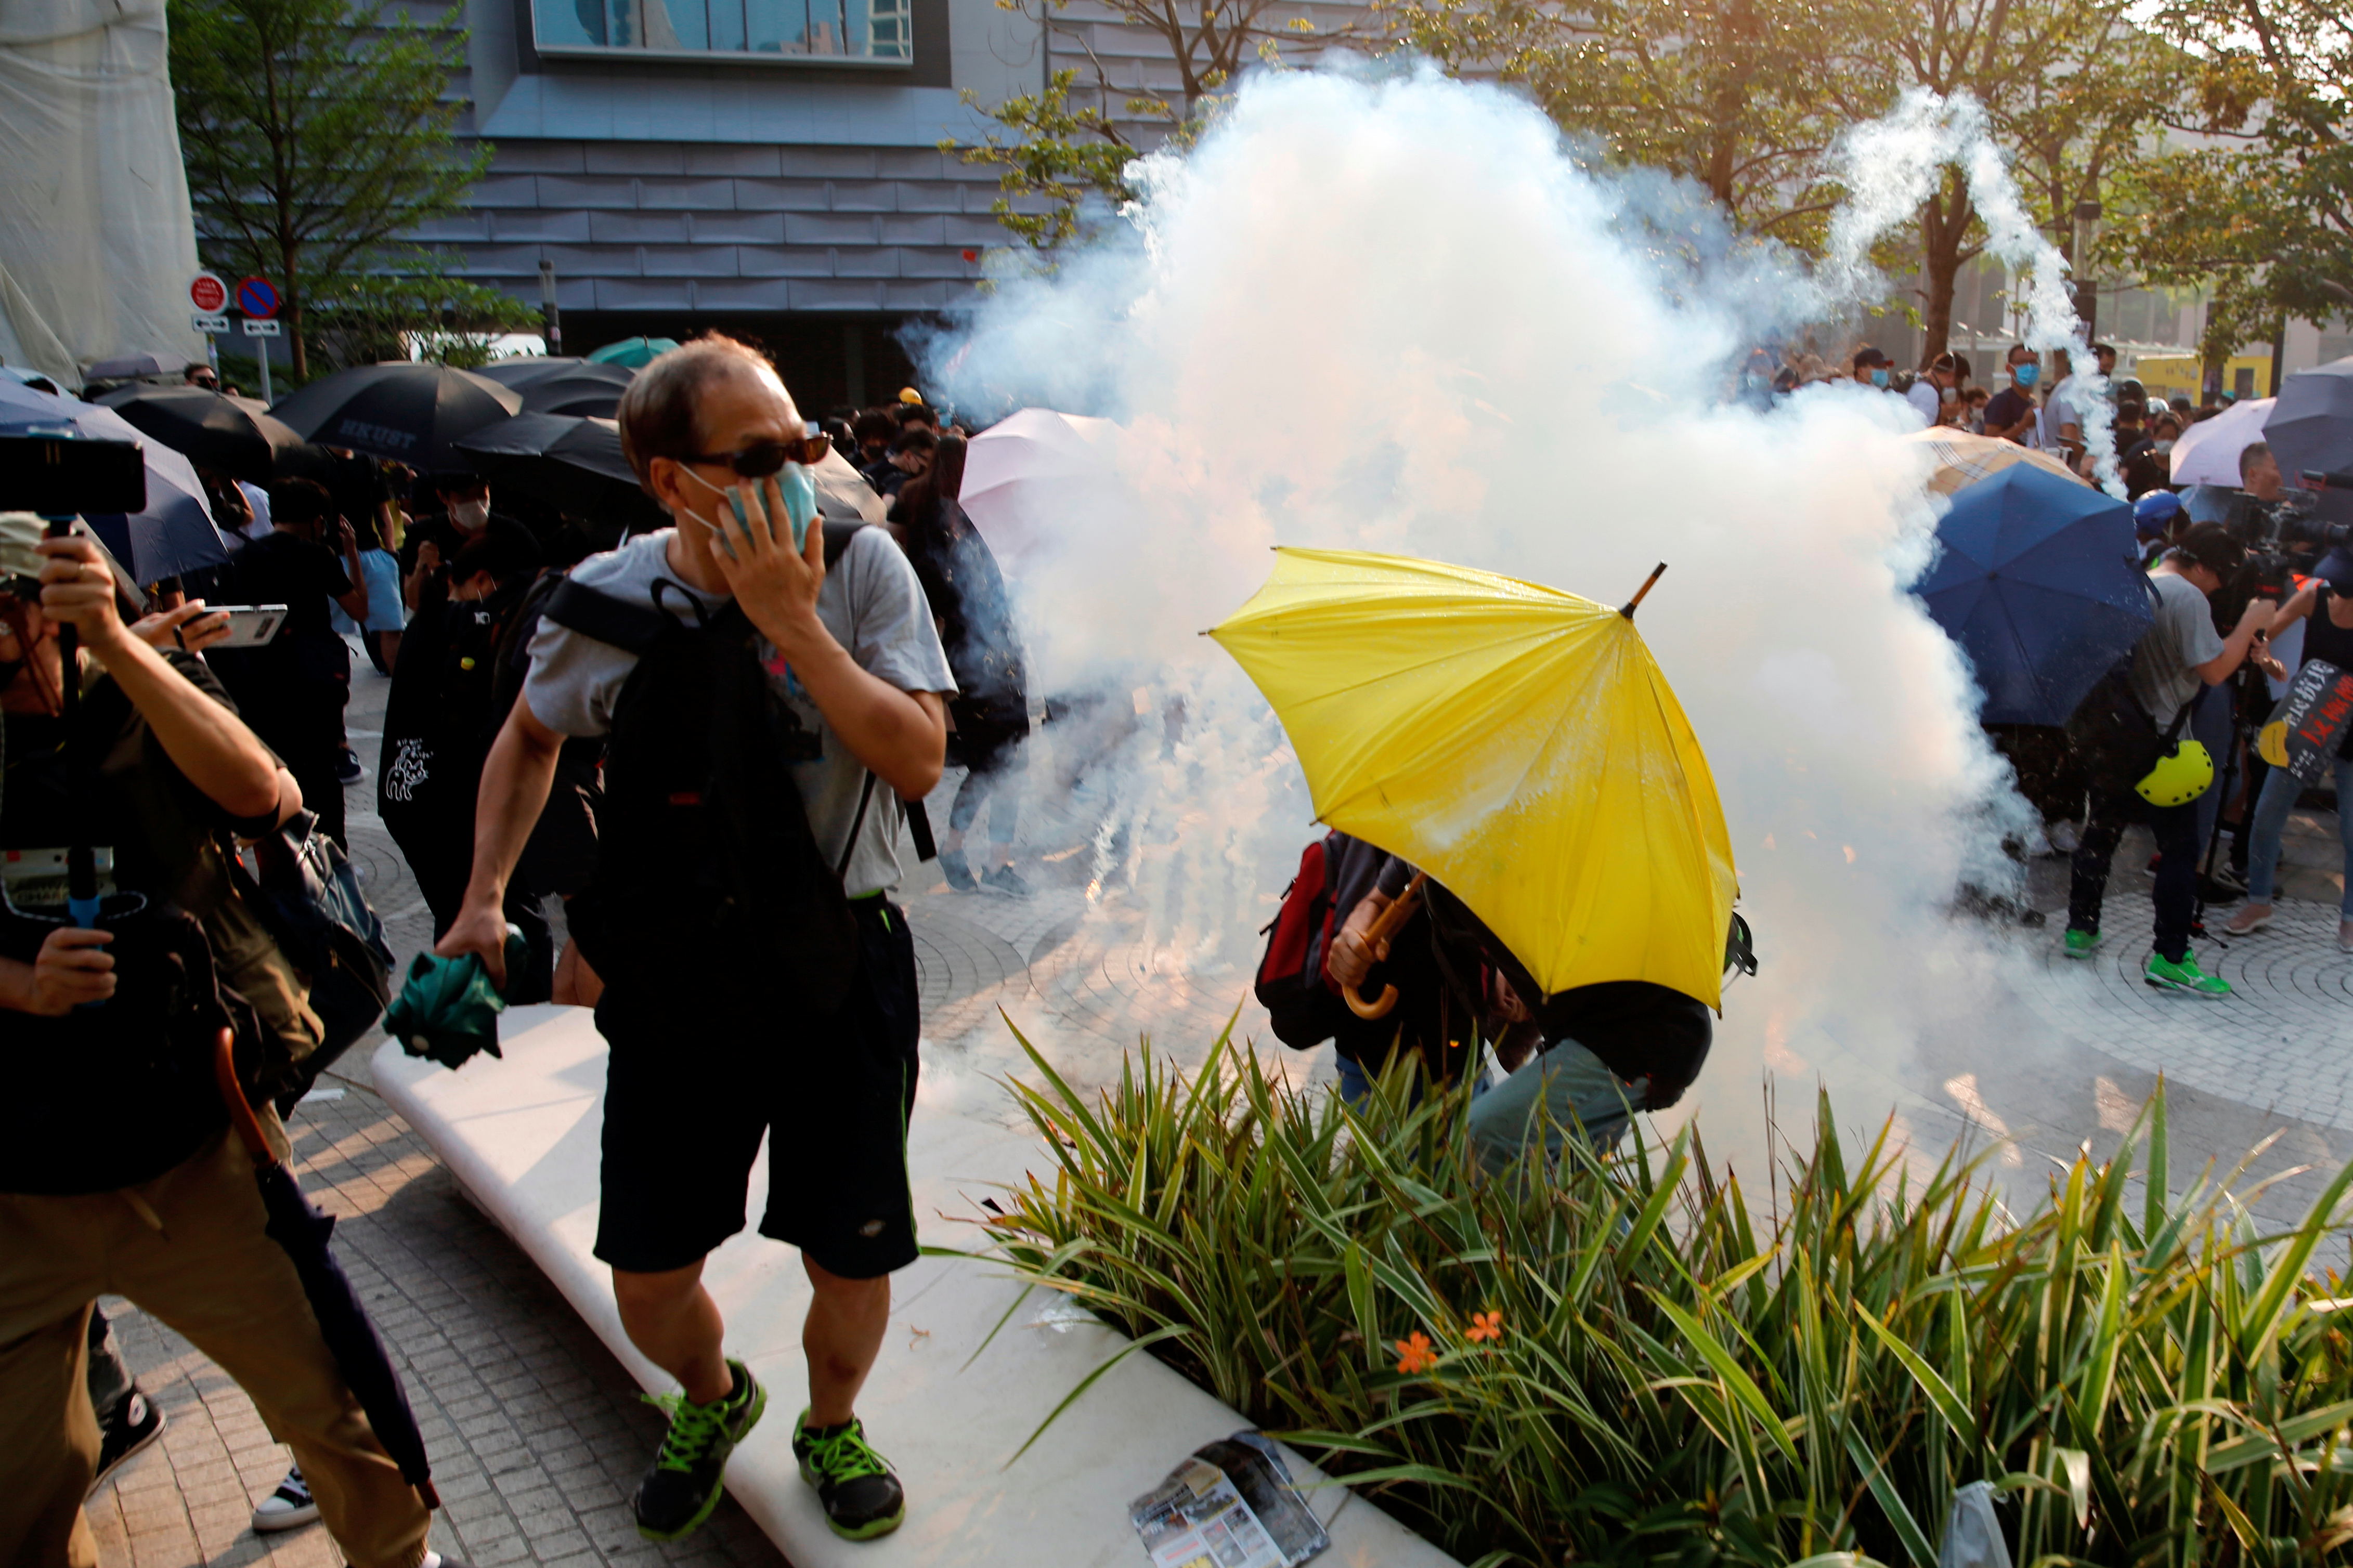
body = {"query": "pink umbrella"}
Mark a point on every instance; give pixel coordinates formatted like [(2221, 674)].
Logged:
[(1037, 474)]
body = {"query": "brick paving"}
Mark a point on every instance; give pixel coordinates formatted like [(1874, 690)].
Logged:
[(538, 1436)]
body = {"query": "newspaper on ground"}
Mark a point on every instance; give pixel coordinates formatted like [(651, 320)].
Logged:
[(1232, 1505)]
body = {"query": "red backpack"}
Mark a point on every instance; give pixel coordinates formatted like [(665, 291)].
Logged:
[(1301, 997)]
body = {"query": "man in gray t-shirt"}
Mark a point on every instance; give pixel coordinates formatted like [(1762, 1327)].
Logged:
[(735, 1005), (2178, 656)]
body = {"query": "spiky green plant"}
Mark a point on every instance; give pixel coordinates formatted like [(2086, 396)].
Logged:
[(1633, 1360)]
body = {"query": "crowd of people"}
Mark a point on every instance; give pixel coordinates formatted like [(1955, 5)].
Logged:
[(2027, 400), (675, 772)]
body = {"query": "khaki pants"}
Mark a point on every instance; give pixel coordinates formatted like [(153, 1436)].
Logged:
[(210, 1273)]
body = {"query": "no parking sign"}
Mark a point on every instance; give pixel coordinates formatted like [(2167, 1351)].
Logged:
[(258, 298)]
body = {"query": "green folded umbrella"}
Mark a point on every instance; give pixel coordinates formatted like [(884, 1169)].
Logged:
[(448, 1009)]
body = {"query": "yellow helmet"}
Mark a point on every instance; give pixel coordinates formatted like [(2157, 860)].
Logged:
[(2180, 776)]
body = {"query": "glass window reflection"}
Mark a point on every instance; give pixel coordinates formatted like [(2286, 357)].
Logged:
[(858, 29)]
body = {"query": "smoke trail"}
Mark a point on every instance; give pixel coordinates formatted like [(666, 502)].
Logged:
[(1399, 316), (1890, 165)]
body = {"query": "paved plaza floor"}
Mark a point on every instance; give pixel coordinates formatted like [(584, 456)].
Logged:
[(538, 1435)]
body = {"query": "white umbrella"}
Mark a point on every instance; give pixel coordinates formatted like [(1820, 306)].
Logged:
[(1029, 478), (2208, 452)]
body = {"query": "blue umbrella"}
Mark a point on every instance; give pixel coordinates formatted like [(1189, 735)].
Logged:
[(2039, 584), (175, 533)]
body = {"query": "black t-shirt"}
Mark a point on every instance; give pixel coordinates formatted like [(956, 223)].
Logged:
[(155, 1100), (2324, 641), (450, 539), (306, 577), (2006, 407)]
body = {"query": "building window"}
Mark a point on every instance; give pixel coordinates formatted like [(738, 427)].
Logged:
[(837, 30)]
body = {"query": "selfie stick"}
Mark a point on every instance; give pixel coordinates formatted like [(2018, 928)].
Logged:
[(81, 864)]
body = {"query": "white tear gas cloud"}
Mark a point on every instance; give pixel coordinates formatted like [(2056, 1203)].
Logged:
[(1401, 315), (1890, 165)]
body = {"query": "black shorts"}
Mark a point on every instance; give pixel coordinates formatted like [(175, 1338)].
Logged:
[(694, 1080)]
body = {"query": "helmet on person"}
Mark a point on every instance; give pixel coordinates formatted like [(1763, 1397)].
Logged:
[(2180, 776), (2155, 512)]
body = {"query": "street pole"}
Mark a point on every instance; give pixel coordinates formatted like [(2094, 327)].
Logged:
[(262, 352), (550, 320), (2087, 279)]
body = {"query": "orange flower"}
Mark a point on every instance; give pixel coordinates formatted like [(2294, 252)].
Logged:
[(1415, 1354), (1485, 1326)]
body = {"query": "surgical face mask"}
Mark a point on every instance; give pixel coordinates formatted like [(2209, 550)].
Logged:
[(800, 506), (1879, 378), (470, 515), (1949, 394), (2026, 374), (2164, 444)]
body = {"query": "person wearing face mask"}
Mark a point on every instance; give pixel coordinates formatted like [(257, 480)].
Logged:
[(2010, 415), (1871, 368), (1939, 389), (432, 542), (769, 689), (293, 689), (2148, 467)]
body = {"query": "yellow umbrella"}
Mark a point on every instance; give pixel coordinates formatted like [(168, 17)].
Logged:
[(1964, 457), (1517, 743)]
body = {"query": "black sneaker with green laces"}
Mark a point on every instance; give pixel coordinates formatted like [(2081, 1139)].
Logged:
[(679, 1493), (861, 1496)]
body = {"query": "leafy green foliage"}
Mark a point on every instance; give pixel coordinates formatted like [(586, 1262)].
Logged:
[(317, 133), (1062, 157), (1641, 1361), (2261, 207)]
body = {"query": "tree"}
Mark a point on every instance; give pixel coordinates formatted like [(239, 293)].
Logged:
[(1726, 93), (2259, 207), (2065, 88), (316, 134), (1062, 158)]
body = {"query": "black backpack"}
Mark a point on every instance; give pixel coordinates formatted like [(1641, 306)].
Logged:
[(706, 865)]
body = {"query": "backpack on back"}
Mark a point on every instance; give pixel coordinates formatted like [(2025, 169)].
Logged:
[(706, 863), (1302, 999)]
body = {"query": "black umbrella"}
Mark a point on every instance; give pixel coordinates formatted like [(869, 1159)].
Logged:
[(210, 430), (522, 373), (298, 1227), (574, 464), (595, 396), (408, 413)]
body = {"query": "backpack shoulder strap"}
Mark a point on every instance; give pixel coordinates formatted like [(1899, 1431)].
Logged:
[(838, 536), (593, 613)]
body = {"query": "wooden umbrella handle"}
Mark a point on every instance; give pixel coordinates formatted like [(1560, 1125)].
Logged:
[(1384, 926), (240, 1114)]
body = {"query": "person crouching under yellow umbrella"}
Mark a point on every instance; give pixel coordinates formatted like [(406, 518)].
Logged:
[(1520, 746)]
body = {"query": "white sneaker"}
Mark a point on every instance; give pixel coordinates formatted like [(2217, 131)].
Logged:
[(2345, 936), (2251, 918), (291, 1507)]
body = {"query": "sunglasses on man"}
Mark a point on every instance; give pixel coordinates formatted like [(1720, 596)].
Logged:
[(763, 458)]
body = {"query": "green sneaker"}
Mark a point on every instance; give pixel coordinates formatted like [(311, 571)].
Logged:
[(679, 1493), (2083, 943), (861, 1496), (2185, 976)]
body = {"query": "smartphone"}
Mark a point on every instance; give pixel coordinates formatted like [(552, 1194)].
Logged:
[(249, 626), (60, 475)]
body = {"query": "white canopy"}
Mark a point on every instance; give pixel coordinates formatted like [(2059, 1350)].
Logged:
[(96, 242)]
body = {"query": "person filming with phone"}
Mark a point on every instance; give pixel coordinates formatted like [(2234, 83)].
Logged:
[(767, 695), (115, 1178)]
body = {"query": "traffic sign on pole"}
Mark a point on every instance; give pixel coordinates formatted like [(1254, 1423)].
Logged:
[(213, 324), (208, 293), (257, 296), (254, 329)]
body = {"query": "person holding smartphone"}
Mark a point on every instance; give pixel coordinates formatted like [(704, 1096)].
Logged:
[(172, 1220), (763, 710)]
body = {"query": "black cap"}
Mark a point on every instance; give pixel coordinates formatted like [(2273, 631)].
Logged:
[(2209, 544), (1867, 357), (2336, 568)]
